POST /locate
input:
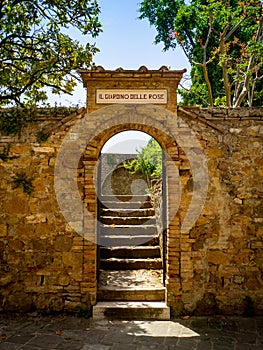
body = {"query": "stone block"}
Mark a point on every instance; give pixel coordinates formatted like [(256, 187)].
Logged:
[(3, 230), (256, 245), (44, 150), (16, 245), (36, 219), (72, 259), (24, 230), (217, 258), (19, 300), (39, 185), (71, 306), (207, 305), (132, 310), (63, 243), (19, 149), (49, 303), (6, 279), (16, 204), (44, 229), (253, 284)]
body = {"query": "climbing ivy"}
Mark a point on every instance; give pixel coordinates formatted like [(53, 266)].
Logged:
[(12, 120), (42, 136)]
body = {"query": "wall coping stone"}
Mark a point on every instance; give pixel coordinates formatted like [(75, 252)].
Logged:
[(214, 118)]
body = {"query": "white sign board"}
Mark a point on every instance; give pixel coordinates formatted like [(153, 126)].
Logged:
[(131, 96)]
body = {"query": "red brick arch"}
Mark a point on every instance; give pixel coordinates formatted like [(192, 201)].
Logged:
[(163, 126)]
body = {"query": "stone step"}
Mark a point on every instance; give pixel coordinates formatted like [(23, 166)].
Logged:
[(125, 198), (130, 264), (124, 212), (109, 220), (128, 241), (130, 252), (131, 310), (125, 205), (131, 294), (128, 230)]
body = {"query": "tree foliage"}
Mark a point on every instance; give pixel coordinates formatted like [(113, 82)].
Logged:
[(36, 50), (148, 161), (222, 40)]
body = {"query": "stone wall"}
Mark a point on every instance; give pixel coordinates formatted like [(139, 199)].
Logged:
[(157, 194), (41, 257), (110, 161), (222, 259), (121, 182), (213, 267), (115, 179)]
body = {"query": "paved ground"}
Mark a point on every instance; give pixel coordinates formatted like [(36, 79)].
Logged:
[(73, 333)]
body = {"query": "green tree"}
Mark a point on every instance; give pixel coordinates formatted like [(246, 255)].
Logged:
[(222, 40), (148, 162), (36, 50)]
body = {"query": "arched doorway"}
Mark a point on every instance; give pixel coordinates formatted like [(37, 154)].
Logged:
[(160, 124), (131, 254), (81, 152)]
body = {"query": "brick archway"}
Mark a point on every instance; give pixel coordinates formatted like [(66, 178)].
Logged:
[(163, 126)]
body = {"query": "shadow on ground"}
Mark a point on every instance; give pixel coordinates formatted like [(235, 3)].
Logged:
[(33, 332)]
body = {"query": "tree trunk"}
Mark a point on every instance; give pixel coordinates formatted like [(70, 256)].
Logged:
[(208, 84), (225, 74)]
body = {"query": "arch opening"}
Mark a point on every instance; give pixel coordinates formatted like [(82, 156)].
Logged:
[(129, 161), (131, 212)]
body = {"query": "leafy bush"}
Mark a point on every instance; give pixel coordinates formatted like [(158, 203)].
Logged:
[(148, 161)]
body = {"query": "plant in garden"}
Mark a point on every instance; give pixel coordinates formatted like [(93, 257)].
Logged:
[(148, 162), (223, 42), (42, 136), (37, 51)]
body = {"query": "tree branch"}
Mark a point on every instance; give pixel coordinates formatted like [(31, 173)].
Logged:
[(244, 91), (228, 35), (56, 87), (204, 66), (194, 93)]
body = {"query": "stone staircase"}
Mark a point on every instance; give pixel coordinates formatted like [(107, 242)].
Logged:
[(127, 221), (130, 279)]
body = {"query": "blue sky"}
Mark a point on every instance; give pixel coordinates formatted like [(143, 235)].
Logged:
[(126, 42)]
